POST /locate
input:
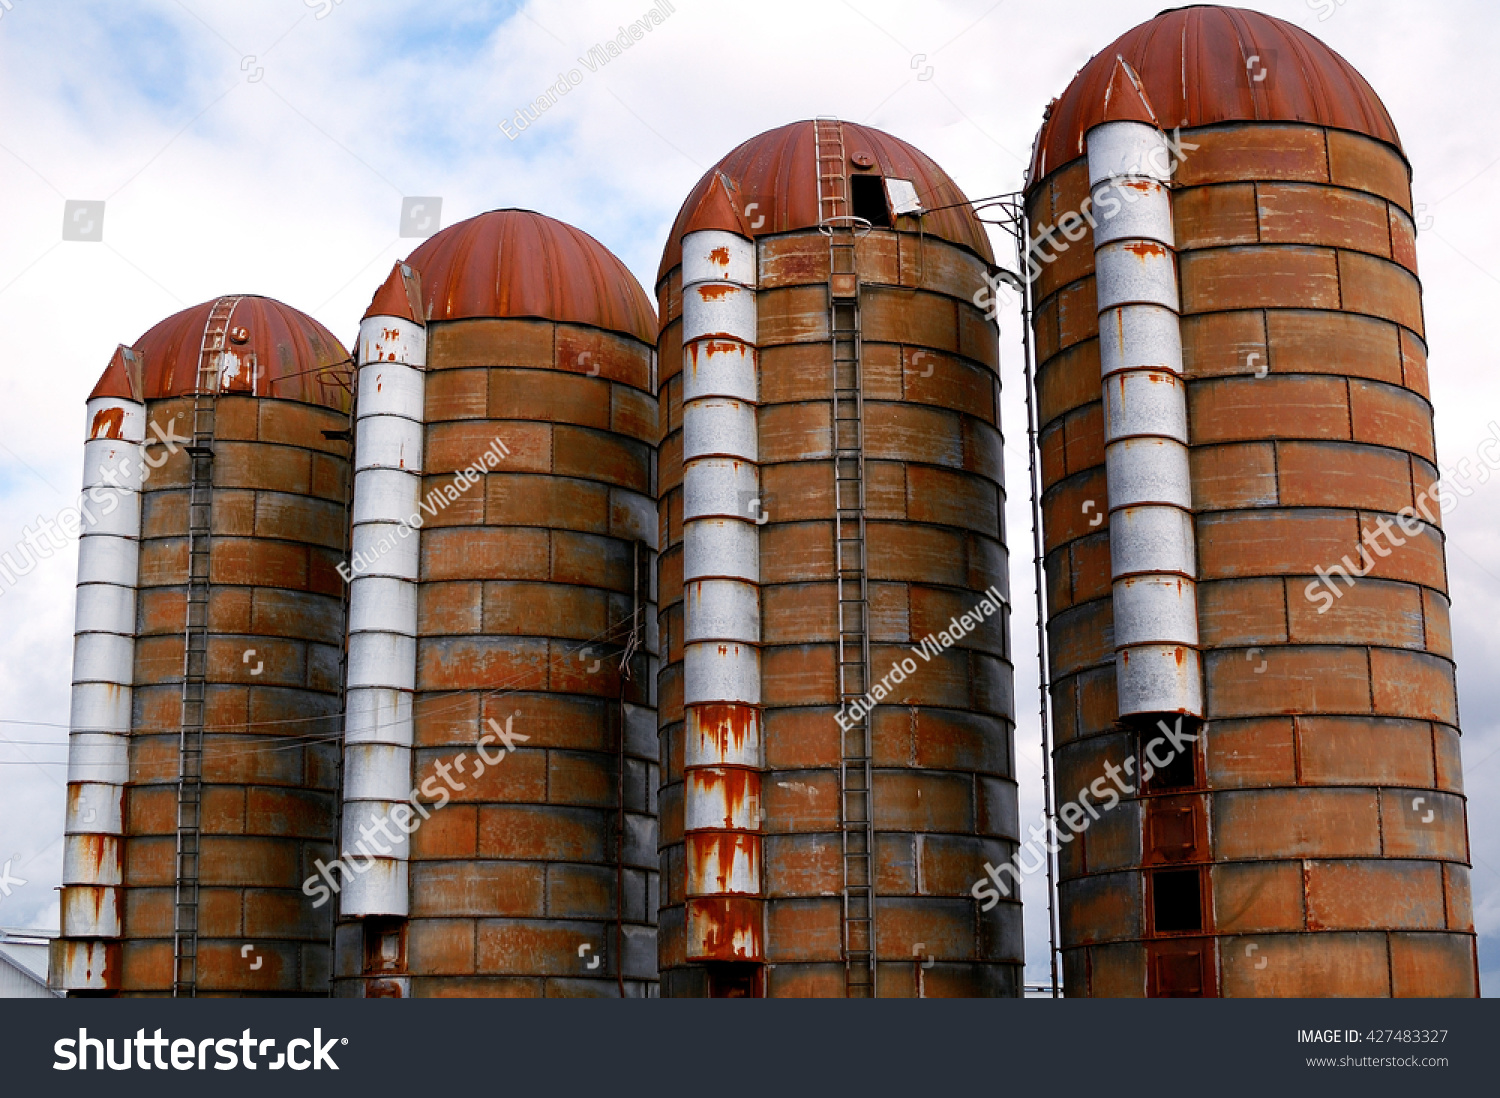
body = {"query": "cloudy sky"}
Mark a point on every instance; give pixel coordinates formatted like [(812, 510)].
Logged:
[(267, 147)]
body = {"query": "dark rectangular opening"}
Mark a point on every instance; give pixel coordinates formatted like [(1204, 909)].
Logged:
[(1181, 770), (867, 197), (385, 944), (1176, 902), (735, 981)]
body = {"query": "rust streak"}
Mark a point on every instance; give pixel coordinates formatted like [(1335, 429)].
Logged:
[(108, 423)]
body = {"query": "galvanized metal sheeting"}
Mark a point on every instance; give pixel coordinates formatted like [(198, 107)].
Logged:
[(383, 603), (721, 658), (103, 675), (1152, 552)]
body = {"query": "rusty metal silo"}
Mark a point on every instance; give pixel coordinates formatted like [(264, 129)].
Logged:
[(830, 499), (499, 822), (1227, 200), (203, 760)]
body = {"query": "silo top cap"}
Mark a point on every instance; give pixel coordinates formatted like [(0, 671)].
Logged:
[(263, 348), (518, 263), (1207, 64), (775, 178)]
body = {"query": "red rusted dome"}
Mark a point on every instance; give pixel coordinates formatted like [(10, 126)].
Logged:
[(1206, 64), (517, 263), (775, 177), (270, 350)]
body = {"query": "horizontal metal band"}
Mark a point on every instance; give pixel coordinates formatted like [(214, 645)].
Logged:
[(391, 339), (1159, 679), (373, 826), (376, 772), (391, 389), (92, 860), (716, 427), (1131, 209), (724, 928), (125, 419), (1128, 149), (96, 807), (382, 659), (98, 764), (1148, 470), (381, 889), (653, 625), (1145, 403), (722, 734), (720, 548), (720, 488), (386, 549), (1155, 610), (1136, 272), (721, 799), (105, 558), (85, 965), (113, 463), (721, 610), (100, 707), (718, 309), (720, 367), (640, 729), (386, 495), (722, 863), (1151, 539), (110, 512), (388, 442), (721, 672), (378, 715), (713, 255), (105, 608), (634, 516), (1136, 336), (105, 658), (92, 911), (382, 604)]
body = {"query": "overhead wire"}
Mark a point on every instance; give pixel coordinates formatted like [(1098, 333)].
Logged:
[(297, 742)]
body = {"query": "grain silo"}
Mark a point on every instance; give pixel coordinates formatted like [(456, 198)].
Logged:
[(1241, 529), (830, 498), (499, 823), (203, 759)]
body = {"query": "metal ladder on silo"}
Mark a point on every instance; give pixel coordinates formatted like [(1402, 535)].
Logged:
[(195, 651), (856, 810), (855, 777), (833, 186)]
